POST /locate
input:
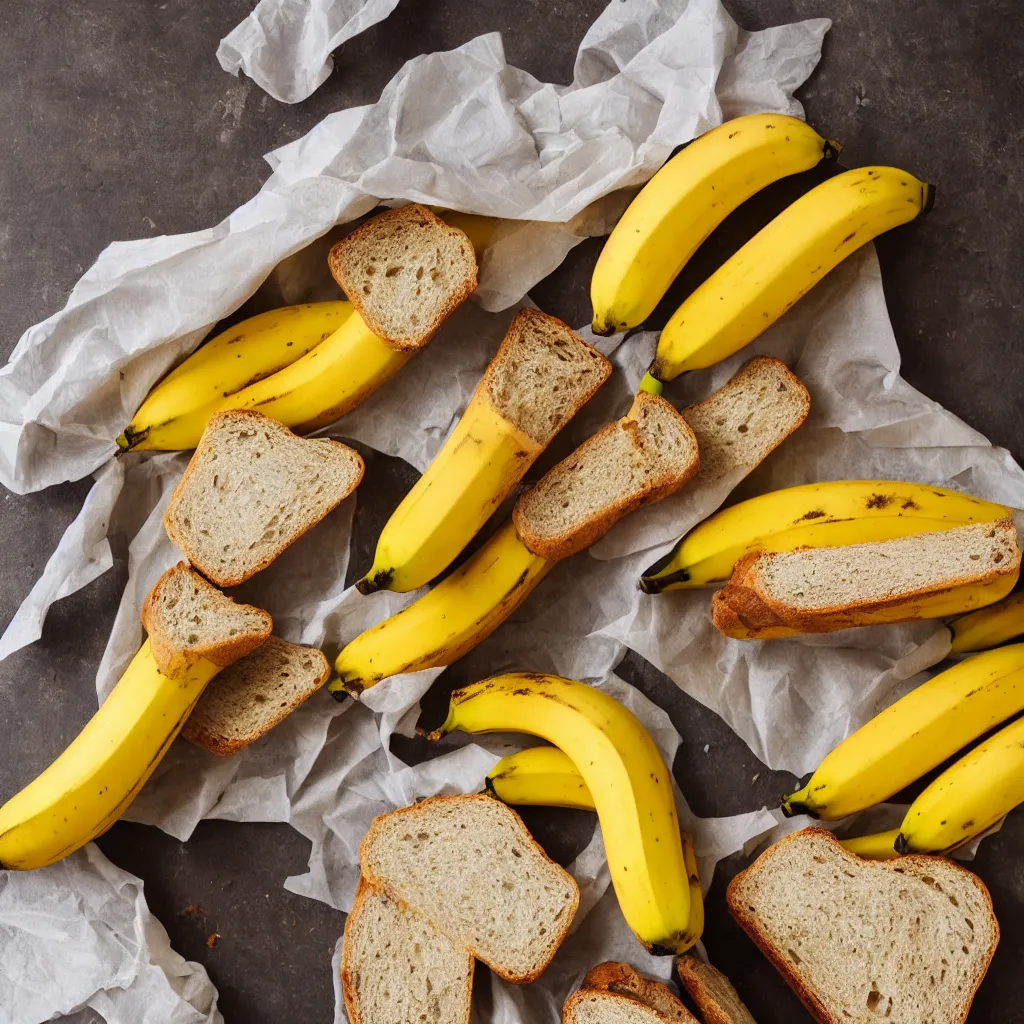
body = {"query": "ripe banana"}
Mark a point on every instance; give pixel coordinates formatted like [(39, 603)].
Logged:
[(547, 777), (88, 787), (176, 411), (969, 797), (685, 201), (782, 262), (446, 622), (915, 734), (990, 626), (624, 772), (830, 514), (327, 382), (879, 846), (541, 777), (479, 465)]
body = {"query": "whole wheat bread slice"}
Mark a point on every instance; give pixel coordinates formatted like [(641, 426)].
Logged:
[(906, 940), (251, 489), (405, 271), (397, 968), (246, 701), (542, 374), (643, 457), (747, 418), (818, 590), (712, 992), (594, 1006), (187, 620), (621, 979), (471, 867)]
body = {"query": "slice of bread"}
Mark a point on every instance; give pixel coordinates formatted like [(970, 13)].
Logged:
[(471, 867), (187, 620), (818, 590), (905, 940), (643, 457), (542, 375), (405, 271), (246, 701), (621, 979), (593, 1006), (250, 490), (397, 968), (712, 992), (747, 418)]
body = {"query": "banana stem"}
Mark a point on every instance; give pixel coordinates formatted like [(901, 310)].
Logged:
[(651, 384)]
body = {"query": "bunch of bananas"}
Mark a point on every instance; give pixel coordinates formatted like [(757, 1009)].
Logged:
[(694, 192), (822, 515), (605, 761), (916, 734)]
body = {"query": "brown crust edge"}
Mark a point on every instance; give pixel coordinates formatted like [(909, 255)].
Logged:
[(569, 542), (168, 657), (692, 980), (199, 735), (519, 324), (621, 979), (740, 605), (170, 527), (748, 922), (338, 268), (365, 889), (557, 939)]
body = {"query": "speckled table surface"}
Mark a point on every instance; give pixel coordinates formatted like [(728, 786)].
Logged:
[(118, 123)]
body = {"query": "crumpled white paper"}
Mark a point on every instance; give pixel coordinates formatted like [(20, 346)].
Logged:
[(79, 934), (285, 46), (464, 130)]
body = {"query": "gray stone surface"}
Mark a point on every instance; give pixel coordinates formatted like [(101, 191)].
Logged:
[(118, 123)]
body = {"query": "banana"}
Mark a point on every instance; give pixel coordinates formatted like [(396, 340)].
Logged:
[(782, 262), (990, 626), (447, 621), (176, 411), (912, 736), (479, 465), (540, 777), (830, 514), (88, 787), (879, 846), (685, 201), (327, 382), (624, 772), (546, 777), (969, 797)]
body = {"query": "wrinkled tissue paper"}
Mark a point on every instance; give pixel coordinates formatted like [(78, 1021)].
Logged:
[(557, 164)]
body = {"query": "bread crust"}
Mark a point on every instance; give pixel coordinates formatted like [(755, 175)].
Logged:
[(171, 659), (196, 732), (340, 270), (742, 611), (620, 979), (577, 538), (258, 419), (520, 323), (690, 971), (364, 890), (382, 883), (748, 922)]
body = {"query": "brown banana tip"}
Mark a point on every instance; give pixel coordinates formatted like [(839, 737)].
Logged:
[(380, 580), (831, 149), (901, 845), (929, 198), (339, 695), (601, 329)]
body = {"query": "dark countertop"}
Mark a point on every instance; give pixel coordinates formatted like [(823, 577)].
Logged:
[(119, 123)]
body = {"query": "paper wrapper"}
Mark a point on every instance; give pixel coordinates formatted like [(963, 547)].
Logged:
[(464, 130), (79, 934)]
